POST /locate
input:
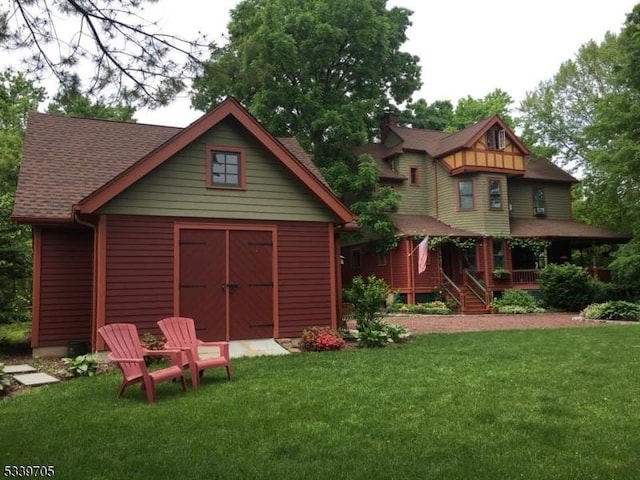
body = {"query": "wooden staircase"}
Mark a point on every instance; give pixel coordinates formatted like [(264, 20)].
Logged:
[(472, 305)]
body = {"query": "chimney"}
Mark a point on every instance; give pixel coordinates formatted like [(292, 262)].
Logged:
[(389, 119)]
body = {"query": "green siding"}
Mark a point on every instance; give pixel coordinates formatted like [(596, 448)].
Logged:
[(481, 219), (557, 199), (414, 197), (177, 187)]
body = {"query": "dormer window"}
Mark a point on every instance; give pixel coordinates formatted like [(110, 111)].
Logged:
[(539, 204), (496, 139)]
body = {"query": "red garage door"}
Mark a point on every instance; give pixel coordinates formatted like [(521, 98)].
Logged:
[(226, 282)]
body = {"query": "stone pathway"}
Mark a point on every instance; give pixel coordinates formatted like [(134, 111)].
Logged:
[(29, 376)]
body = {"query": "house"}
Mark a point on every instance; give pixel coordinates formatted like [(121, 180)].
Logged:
[(493, 214), (219, 221)]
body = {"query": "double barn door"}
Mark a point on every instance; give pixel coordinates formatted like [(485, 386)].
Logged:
[(226, 282)]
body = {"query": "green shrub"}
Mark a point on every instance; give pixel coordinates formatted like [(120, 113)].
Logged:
[(566, 287), (81, 366), (4, 380), (626, 270), (431, 308), (613, 310), (379, 333), (397, 333), (321, 339), (367, 299), (516, 301), (373, 335)]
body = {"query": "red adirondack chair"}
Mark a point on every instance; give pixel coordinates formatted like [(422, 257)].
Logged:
[(180, 332), (126, 350)]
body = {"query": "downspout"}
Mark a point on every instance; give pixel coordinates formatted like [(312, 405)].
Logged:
[(435, 174), (94, 305)]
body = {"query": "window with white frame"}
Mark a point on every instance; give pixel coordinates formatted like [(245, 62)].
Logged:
[(496, 138)]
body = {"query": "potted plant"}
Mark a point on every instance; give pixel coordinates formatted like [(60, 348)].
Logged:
[(501, 274)]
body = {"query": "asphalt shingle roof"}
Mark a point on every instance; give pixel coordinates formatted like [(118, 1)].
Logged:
[(426, 225), (550, 228), (65, 159)]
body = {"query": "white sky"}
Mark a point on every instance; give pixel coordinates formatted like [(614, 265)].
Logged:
[(466, 47)]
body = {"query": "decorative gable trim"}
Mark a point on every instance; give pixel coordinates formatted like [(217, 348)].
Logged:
[(508, 134), (232, 107)]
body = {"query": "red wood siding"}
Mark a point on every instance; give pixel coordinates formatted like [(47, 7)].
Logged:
[(139, 270), (139, 279), (304, 270), (66, 278), (401, 270)]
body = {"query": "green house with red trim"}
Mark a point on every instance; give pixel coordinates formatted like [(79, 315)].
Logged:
[(219, 221), (493, 213)]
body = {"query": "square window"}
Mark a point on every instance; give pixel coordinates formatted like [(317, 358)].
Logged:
[(225, 168)]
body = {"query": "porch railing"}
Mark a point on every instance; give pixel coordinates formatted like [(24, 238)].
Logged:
[(525, 276), (476, 287), (452, 289)]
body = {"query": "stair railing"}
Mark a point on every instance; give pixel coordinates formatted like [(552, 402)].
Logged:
[(477, 288), (452, 289)]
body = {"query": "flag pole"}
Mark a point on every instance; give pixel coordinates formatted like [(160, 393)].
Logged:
[(417, 246)]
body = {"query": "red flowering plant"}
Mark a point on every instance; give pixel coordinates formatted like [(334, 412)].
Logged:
[(320, 339)]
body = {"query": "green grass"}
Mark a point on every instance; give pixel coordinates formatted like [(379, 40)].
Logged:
[(547, 404), (14, 332)]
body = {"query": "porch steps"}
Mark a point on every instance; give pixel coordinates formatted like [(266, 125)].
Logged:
[(473, 305)]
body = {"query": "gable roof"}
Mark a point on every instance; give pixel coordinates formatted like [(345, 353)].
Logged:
[(438, 144), (76, 163)]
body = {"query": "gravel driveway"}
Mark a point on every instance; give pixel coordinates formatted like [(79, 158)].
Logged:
[(418, 324)]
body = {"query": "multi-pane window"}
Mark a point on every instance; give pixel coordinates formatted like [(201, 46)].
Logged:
[(496, 139), (495, 194), (225, 169), (465, 194), (539, 204), (498, 254)]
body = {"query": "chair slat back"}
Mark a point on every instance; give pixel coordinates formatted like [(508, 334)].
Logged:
[(180, 332), (124, 342)]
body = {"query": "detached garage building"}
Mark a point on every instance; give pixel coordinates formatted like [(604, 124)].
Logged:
[(219, 221)]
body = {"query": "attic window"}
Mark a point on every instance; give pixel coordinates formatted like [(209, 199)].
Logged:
[(225, 167), (496, 139)]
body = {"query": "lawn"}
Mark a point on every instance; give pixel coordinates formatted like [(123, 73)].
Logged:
[(546, 404)]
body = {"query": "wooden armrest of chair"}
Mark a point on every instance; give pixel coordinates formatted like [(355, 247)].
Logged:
[(113, 358)]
